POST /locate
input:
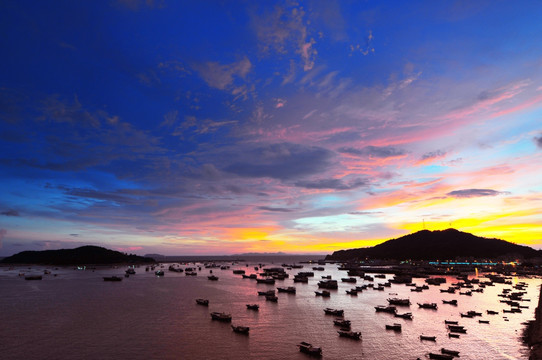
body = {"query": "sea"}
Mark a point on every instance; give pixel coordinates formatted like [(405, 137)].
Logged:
[(74, 314)]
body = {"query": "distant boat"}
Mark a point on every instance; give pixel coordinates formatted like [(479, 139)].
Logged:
[(334, 312), (130, 271), (323, 293), (428, 338), (253, 307), (212, 277), (159, 273), (440, 356), (289, 289), (407, 316), (240, 329), (450, 302), (221, 316), (203, 302), (398, 301), (33, 277), (272, 298), (394, 327), (388, 309), (307, 348), (428, 305), (112, 278), (349, 334), (342, 323), (449, 352)]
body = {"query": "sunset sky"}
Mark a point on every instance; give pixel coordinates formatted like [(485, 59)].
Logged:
[(223, 127)]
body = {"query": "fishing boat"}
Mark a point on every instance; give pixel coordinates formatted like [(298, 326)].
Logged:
[(449, 352), (388, 309), (253, 307), (452, 335), (203, 302), (272, 298), (440, 356), (307, 348), (159, 273), (428, 338), (342, 323), (334, 312), (399, 302), (450, 302), (240, 329), (212, 277), (428, 306), (112, 278), (407, 316), (394, 327), (323, 293), (266, 293), (33, 277), (221, 316), (289, 290), (349, 334)]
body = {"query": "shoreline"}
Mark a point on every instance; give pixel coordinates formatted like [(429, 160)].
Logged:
[(533, 332)]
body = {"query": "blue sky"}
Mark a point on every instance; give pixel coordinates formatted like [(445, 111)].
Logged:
[(220, 127)]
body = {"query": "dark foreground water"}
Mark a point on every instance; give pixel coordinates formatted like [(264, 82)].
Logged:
[(76, 315)]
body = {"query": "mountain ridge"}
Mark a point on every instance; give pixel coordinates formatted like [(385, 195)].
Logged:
[(438, 245), (87, 254)]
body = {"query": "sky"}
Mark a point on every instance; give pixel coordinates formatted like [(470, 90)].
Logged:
[(226, 127)]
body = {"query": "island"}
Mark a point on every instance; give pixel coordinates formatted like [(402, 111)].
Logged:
[(83, 255)]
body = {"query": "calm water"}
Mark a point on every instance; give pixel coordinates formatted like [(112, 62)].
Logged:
[(76, 315)]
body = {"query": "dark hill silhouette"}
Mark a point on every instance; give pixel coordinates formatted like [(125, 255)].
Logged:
[(439, 245), (79, 256)]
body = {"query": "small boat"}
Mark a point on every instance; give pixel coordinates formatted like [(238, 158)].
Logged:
[(130, 271), (266, 281), (349, 334), (352, 292), (289, 290), (112, 278), (342, 323), (272, 298), (394, 327), (307, 348), (33, 277), (399, 302), (212, 277), (203, 302), (450, 322), (334, 312), (407, 316), (440, 356), (466, 315), (449, 352), (451, 302), (457, 329), (492, 312), (240, 329), (191, 273), (239, 272), (159, 273), (428, 305), (483, 321), (323, 293), (266, 293), (452, 335), (428, 338), (349, 280), (221, 316), (388, 309), (253, 307)]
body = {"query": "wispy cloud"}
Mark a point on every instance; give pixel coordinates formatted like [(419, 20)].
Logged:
[(471, 193), (10, 212), (221, 76)]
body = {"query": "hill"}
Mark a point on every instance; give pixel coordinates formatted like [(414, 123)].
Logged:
[(439, 245), (79, 256)]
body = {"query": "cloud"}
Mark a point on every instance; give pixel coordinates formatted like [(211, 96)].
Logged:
[(334, 184), (373, 151), (277, 209), (10, 212), (538, 141), (285, 30), (283, 161), (223, 76), (470, 193), (366, 48), (3, 233), (431, 156)]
